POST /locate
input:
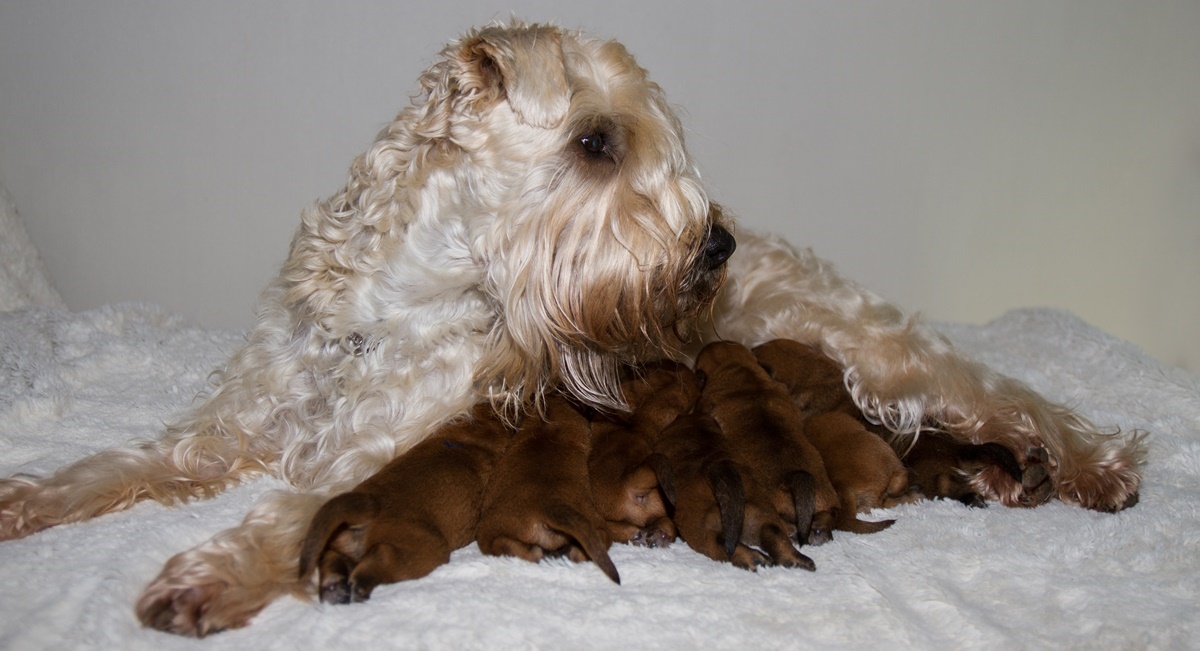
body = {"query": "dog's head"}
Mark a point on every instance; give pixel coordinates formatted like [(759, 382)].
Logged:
[(540, 178), (581, 201)]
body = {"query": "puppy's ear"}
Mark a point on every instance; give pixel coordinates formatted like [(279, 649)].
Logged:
[(521, 64)]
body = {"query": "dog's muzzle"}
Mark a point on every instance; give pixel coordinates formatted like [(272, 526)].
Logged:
[(717, 250)]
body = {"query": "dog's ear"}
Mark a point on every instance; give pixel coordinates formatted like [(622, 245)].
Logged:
[(523, 65)]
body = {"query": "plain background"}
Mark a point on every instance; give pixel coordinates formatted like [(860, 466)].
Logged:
[(960, 158)]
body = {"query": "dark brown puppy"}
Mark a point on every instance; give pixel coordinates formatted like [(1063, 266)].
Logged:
[(937, 465), (940, 466), (864, 470), (404, 520), (721, 511), (766, 432), (623, 470), (538, 501)]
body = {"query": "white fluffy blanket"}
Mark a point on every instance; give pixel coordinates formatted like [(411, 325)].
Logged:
[(944, 577)]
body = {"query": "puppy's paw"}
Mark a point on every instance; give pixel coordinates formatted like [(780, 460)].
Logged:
[(654, 536), (749, 558)]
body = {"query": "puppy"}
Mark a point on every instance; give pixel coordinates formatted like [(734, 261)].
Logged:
[(936, 464), (404, 520), (864, 470), (766, 431), (538, 501), (720, 510), (940, 466), (624, 471)]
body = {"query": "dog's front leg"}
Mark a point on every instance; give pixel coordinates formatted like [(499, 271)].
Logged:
[(904, 374), (224, 582)]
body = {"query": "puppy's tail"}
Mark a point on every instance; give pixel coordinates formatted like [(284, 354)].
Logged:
[(568, 520), (345, 510), (726, 484), (802, 486), (849, 522)]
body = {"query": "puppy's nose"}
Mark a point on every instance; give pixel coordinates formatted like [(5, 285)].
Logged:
[(719, 247)]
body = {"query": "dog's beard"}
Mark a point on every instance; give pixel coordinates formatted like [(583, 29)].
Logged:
[(601, 277)]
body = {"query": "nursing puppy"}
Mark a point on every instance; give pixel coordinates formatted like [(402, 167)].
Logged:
[(766, 432), (867, 470), (864, 470), (720, 510), (939, 466), (538, 501), (624, 471), (403, 522)]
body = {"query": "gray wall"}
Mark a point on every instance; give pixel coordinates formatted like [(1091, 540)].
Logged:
[(961, 158)]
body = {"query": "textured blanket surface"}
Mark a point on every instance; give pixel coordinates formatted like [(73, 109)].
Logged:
[(943, 577)]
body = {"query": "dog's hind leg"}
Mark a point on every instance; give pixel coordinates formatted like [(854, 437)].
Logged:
[(170, 470), (224, 582)]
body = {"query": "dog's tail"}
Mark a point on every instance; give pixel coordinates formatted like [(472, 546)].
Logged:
[(345, 510), (568, 520), (803, 488), (726, 484)]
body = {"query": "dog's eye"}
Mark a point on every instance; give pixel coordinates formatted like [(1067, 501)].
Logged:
[(593, 143)]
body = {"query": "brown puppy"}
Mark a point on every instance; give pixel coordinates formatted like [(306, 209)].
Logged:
[(720, 511), (404, 520), (538, 501), (624, 472), (766, 431), (864, 470), (936, 464)]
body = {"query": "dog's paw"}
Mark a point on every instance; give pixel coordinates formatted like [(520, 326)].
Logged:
[(17, 518), (184, 610), (992, 472), (1108, 487), (1037, 486), (193, 598)]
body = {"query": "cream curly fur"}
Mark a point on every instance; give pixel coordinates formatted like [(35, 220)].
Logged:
[(485, 248)]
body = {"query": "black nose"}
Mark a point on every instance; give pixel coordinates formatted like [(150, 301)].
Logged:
[(719, 247)]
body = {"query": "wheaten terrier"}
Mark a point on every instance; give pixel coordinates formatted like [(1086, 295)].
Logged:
[(532, 221)]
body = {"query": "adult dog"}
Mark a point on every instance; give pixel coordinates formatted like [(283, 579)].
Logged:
[(532, 221)]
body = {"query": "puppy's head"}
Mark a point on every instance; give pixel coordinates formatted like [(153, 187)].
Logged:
[(722, 359), (582, 204), (667, 388), (796, 365)]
